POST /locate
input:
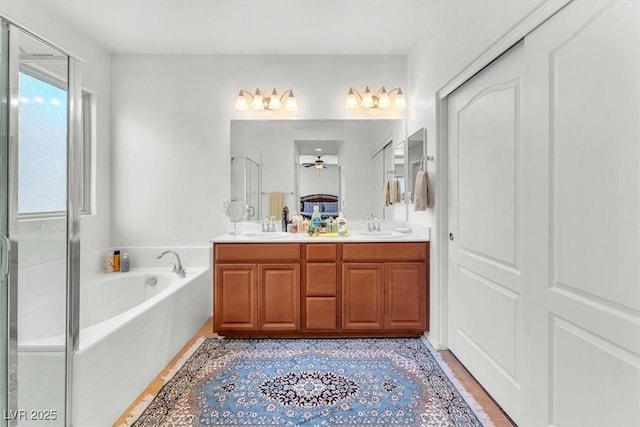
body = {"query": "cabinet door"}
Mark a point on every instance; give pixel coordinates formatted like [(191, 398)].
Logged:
[(235, 297), (406, 296), (362, 296), (279, 297), (321, 314)]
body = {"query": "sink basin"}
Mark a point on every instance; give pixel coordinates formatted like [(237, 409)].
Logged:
[(263, 235), (376, 234)]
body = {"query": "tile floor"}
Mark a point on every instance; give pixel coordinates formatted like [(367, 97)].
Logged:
[(499, 418)]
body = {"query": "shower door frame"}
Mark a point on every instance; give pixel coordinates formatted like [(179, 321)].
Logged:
[(74, 195)]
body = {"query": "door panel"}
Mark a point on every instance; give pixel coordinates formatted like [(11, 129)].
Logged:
[(487, 137), (362, 296), (485, 307), (236, 297), (582, 209), (406, 295), (279, 297)]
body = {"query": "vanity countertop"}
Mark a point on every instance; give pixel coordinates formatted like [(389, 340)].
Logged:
[(422, 235)]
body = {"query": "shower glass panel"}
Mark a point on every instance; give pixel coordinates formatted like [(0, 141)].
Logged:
[(4, 221), (41, 231), (245, 184)]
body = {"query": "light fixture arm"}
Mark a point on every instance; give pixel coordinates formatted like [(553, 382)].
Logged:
[(356, 92), (382, 89), (242, 92), (284, 93)]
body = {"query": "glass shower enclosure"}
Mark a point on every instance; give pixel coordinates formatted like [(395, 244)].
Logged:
[(246, 184), (40, 170)]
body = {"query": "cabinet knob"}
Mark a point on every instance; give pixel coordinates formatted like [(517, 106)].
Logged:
[(451, 236)]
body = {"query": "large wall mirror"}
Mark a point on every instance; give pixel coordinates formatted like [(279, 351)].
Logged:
[(300, 158)]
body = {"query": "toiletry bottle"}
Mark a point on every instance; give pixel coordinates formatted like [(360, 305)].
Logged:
[(293, 224), (124, 263), (331, 225), (316, 220), (116, 261), (300, 224), (285, 218), (342, 224), (107, 266), (305, 225)]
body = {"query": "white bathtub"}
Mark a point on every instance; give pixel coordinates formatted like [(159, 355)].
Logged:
[(129, 332)]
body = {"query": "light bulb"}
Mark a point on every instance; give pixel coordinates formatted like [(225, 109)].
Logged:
[(291, 103), (383, 98), (352, 102), (400, 102), (274, 101), (241, 102), (367, 99), (257, 101)]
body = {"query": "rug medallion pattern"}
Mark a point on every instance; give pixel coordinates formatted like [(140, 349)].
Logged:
[(311, 382)]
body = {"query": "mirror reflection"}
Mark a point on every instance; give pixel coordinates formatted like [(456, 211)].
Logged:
[(297, 161), (416, 149)]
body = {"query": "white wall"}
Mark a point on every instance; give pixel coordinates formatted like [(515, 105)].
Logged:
[(171, 130)]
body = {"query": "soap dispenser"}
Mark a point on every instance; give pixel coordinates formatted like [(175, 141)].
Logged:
[(316, 220), (341, 223)]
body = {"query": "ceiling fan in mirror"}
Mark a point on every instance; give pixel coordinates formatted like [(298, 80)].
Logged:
[(318, 164)]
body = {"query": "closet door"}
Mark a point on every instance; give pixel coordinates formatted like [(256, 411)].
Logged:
[(485, 256), (582, 210)]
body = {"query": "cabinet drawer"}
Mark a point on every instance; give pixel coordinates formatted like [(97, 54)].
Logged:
[(242, 252), (412, 251), (321, 252), (321, 314), (321, 279)]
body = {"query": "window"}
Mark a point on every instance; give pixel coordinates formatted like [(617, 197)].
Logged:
[(43, 146)]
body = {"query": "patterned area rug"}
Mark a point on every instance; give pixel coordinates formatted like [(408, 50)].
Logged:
[(311, 382)]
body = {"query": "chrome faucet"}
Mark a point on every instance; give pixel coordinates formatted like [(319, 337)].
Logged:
[(269, 224), (177, 266), (376, 223), (373, 224)]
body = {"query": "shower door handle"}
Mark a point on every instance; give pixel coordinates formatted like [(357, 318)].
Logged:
[(5, 248)]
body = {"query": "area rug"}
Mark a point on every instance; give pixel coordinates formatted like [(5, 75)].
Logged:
[(311, 382)]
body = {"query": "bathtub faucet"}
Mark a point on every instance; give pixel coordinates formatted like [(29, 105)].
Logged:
[(177, 267)]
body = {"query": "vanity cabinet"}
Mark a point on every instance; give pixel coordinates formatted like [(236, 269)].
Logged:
[(321, 289), (385, 286), (257, 287)]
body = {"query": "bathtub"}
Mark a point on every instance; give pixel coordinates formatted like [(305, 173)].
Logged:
[(129, 331)]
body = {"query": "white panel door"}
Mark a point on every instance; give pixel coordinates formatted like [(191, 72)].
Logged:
[(485, 257), (582, 214)]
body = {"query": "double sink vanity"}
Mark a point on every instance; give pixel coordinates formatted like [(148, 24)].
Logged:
[(293, 285)]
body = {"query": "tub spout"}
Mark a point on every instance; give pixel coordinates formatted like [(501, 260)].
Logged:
[(177, 267)]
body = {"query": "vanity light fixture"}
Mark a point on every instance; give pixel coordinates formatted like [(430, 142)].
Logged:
[(261, 102), (380, 100)]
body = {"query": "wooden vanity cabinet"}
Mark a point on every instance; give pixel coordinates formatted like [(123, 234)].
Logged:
[(321, 289), (257, 287), (385, 286)]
